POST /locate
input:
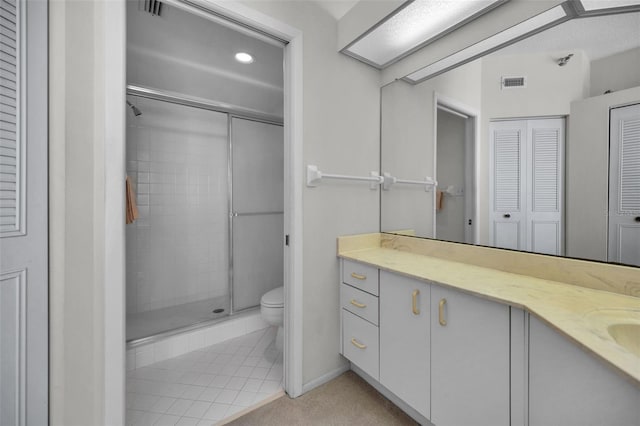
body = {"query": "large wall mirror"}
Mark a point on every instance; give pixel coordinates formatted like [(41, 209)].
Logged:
[(534, 147)]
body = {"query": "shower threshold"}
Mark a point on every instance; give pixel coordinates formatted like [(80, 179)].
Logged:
[(147, 326)]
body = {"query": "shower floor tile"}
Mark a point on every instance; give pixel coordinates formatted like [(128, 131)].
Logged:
[(150, 323), (207, 385)]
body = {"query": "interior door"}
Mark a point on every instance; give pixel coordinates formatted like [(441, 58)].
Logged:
[(526, 182), (624, 185), (507, 228), (23, 214), (258, 210), (544, 183)]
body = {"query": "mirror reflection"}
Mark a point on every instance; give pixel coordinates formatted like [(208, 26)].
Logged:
[(535, 147)]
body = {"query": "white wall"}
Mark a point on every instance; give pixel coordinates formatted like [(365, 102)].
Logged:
[(407, 142), (587, 174), (616, 72), (549, 92), (340, 135)]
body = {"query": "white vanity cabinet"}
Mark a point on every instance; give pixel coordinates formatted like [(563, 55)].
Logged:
[(570, 387), (404, 339), (470, 354), (359, 316)]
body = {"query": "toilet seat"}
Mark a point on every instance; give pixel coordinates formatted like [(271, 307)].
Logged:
[(273, 298)]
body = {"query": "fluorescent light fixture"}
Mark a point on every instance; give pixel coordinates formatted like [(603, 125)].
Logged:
[(414, 26), (592, 5), (244, 58), (501, 39)]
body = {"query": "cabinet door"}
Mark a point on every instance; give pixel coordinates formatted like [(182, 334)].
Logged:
[(570, 387), (470, 360), (404, 339)]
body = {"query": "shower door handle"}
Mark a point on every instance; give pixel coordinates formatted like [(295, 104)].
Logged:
[(237, 214)]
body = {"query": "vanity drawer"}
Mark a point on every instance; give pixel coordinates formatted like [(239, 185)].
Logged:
[(360, 303), (360, 343), (360, 276)]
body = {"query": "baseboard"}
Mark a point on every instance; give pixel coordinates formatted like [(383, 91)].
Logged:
[(324, 379), (392, 397), (251, 408)]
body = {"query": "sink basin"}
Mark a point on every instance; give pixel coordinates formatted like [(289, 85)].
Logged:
[(622, 324), (627, 336)]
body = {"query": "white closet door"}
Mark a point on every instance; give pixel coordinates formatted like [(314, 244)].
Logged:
[(545, 149), (624, 186), (508, 148), (24, 338)]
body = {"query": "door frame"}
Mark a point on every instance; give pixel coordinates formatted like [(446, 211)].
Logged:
[(114, 273), (472, 136)]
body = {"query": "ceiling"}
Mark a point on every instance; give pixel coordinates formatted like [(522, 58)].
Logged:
[(336, 8), (598, 37)]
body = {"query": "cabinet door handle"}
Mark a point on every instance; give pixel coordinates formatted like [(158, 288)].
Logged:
[(414, 302), (358, 276), (357, 304), (441, 319), (357, 344)]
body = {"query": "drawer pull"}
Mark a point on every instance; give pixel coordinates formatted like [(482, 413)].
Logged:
[(357, 304), (357, 344), (358, 276), (441, 319), (414, 302)]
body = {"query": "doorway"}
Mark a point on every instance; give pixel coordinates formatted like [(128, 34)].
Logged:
[(455, 154)]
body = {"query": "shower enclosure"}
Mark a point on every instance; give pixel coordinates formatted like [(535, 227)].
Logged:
[(209, 186)]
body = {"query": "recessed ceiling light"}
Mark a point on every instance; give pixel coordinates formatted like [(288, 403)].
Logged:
[(244, 58)]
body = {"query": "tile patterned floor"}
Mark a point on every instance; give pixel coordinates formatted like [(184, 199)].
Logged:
[(207, 385)]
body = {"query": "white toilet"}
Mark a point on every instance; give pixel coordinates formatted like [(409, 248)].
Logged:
[(272, 311)]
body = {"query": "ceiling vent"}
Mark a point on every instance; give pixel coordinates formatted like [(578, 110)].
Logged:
[(513, 82), (153, 7)]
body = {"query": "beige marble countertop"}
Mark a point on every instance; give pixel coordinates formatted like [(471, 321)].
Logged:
[(582, 314)]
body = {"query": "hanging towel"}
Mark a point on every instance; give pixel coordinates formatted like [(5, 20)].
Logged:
[(132, 209), (439, 200)]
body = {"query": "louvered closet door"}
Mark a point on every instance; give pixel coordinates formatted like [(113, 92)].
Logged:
[(624, 186), (508, 149), (526, 181), (23, 213), (545, 148)]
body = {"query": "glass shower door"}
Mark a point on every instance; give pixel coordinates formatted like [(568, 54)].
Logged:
[(258, 210), (177, 250)]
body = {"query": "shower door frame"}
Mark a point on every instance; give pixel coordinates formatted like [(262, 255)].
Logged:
[(234, 214), (231, 113)]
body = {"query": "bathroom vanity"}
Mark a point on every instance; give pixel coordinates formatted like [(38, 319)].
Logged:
[(454, 341)]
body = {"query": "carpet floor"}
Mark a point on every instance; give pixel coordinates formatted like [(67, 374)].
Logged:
[(346, 400)]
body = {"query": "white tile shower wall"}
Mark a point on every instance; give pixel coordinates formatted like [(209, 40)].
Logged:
[(179, 344), (177, 251)]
